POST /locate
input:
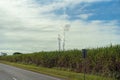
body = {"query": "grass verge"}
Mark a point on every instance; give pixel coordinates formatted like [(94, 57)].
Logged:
[(66, 75)]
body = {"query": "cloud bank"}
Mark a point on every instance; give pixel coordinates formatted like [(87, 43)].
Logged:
[(32, 25)]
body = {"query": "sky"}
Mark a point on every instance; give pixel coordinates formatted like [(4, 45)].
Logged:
[(33, 25)]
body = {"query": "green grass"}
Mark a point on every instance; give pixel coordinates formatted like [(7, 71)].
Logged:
[(67, 75)]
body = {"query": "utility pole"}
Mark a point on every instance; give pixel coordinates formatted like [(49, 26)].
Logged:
[(64, 15), (65, 27), (84, 53), (59, 42)]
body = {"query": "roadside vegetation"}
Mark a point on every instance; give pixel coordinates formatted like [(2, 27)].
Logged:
[(103, 61), (64, 75)]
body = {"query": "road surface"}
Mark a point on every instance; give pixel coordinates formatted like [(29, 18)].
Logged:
[(12, 73)]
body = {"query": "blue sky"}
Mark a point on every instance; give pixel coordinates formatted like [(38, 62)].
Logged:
[(34, 25), (100, 10)]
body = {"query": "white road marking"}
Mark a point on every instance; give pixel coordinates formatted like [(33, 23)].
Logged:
[(14, 78)]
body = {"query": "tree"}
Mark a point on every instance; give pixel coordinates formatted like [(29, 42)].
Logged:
[(3, 54), (17, 53)]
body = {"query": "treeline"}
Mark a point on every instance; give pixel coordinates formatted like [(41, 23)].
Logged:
[(102, 61)]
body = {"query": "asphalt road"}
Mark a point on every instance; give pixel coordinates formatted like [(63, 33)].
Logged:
[(12, 73)]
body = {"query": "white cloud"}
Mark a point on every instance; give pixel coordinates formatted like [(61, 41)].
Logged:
[(84, 16)]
